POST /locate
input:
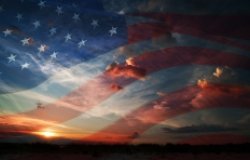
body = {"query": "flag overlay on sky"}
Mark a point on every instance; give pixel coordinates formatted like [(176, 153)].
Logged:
[(128, 71)]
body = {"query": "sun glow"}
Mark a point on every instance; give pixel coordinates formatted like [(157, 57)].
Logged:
[(47, 134)]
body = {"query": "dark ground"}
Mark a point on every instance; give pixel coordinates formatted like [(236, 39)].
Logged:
[(123, 152)]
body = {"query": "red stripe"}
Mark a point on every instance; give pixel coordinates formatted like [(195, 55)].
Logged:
[(183, 101), (224, 25), (176, 56), (144, 31), (150, 30)]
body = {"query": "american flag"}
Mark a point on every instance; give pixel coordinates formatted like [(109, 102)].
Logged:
[(125, 71)]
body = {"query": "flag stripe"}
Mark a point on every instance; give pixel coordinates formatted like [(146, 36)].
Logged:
[(228, 26), (149, 30)]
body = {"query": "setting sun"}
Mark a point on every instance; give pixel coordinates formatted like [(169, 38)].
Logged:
[(48, 134)]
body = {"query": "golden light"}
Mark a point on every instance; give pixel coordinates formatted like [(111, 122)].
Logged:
[(48, 134), (202, 83), (218, 72)]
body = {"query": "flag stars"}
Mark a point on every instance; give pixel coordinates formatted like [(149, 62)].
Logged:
[(36, 24), (12, 58), (19, 17), (7, 32), (52, 31), (81, 43), (67, 37), (53, 55), (26, 41), (59, 10), (94, 23), (76, 17), (42, 48), (41, 4), (25, 66), (113, 31)]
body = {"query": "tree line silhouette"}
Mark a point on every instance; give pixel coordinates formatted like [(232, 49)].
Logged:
[(122, 148)]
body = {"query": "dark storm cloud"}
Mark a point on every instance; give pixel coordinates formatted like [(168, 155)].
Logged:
[(135, 135), (200, 129)]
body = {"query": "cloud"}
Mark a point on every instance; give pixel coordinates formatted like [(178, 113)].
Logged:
[(134, 135), (130, 62), (216, 139), (223, 95), (245, 119), (205, 128), (161, 105), (126, 71), (218, 72), (116, 87), (161, 94), (202, 83)]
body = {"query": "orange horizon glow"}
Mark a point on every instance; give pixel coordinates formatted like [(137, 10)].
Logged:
[(55, 134), (47, 134)]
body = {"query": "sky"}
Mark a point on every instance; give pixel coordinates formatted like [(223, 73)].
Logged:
[(109, 71)]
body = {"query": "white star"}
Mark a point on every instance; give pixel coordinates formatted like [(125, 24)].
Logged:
[(53, 55), (25, 41), (19, 16), (94, 23), (36, 24), (52, 31), (67, 37), (41, 4), (7, 32), (121, 12), (42, 48), (59, 10), (81, 43), (12, 58), (76, 17), (25, 65), (112, 31)]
